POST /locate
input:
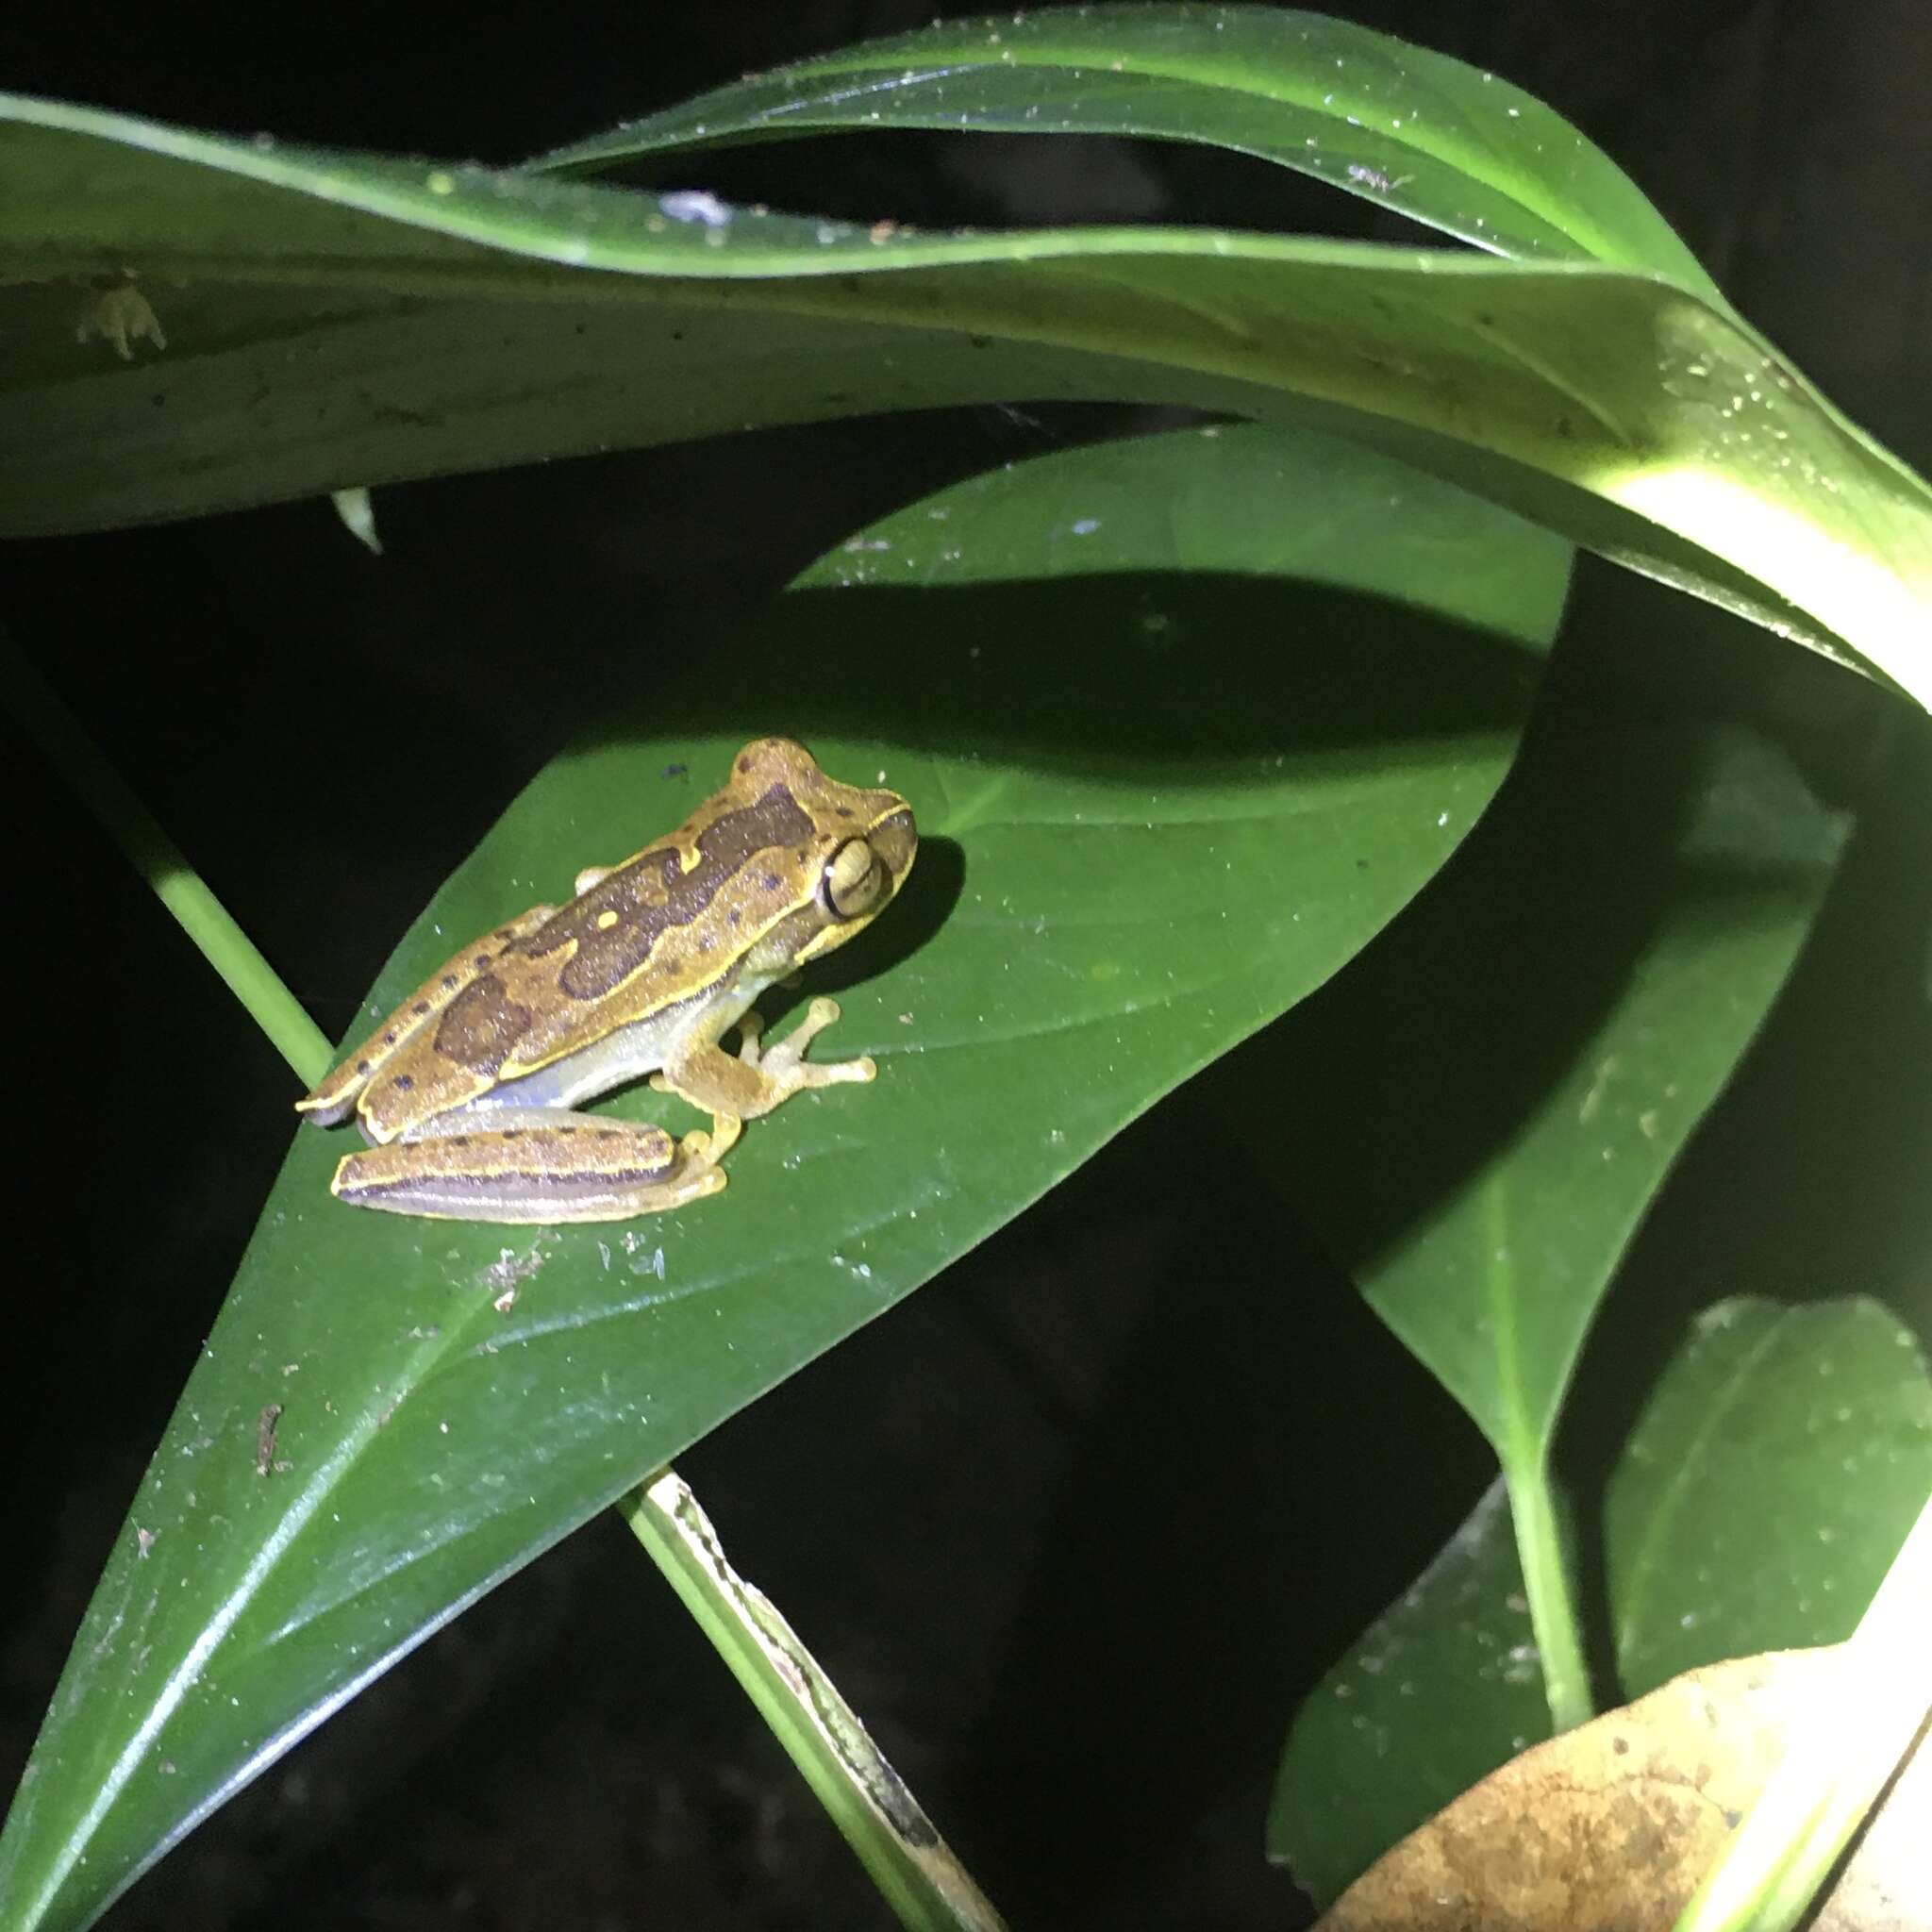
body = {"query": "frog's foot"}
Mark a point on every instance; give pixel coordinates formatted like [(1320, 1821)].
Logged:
[(757, 1078), (785, 1065), (699, 1149)]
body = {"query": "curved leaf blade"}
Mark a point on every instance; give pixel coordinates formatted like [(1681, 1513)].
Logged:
[(1437, 1692), (1397, 124), (1632, 415), (1500, 1144), (1122, 873), (1479, 1161), (1768, 1485)]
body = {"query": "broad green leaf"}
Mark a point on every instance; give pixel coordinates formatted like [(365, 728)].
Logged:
[(355, 319), (1767, 1486), (1397, 124), (1438, 1691), (1479, 1157), (1478, 1147), (1185, 720)]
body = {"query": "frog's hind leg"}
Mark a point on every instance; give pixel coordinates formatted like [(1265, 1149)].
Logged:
[(545, 1165), (335, 1098)]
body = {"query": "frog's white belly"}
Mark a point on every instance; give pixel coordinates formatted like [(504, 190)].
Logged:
[(621, 1056)]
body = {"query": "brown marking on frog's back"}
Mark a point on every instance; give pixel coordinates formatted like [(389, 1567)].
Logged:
[(654, 900), (480, 1027)]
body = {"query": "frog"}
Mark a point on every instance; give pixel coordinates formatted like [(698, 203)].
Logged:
[(468, 1093)]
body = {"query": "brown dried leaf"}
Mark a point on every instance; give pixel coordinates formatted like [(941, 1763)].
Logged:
[(1611, 1826)]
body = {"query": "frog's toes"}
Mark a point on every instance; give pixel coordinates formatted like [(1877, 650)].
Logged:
[(787, 1065)]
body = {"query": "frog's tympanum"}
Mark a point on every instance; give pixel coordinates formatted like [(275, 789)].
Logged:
[(467, 1092)]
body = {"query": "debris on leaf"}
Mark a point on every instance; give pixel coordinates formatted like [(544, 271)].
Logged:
[(120, 314)]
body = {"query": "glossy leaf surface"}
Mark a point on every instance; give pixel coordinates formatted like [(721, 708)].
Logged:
[(1397, 124), (1504, 1135), (1768, 1485), (1438, 1691), (356, 320), (1215, 705)]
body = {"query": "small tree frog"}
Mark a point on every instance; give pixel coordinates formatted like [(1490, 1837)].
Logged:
[(467, 1092)]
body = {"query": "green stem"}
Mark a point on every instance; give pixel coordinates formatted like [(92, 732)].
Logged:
[(162, 863), (903, 1857), (1550, 1585), (1838, 1760)]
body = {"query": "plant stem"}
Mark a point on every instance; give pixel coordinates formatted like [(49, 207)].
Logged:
[(162, 864), (903, 1857), (1550, 1585), (1835, 1766)]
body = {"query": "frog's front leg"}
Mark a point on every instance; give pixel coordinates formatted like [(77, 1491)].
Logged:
[(758, 1078), (534, 1164)]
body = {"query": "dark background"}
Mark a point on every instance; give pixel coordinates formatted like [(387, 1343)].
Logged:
[(1081, 1649)]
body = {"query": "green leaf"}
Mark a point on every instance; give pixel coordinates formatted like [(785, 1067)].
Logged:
[(1479, 1154), (1479, 1158), (1442, 1688), (357, 320), (1768, 1485), (1397, 124), (1210, 708)]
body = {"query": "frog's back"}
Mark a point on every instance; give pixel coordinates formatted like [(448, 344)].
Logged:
[(661, 932)]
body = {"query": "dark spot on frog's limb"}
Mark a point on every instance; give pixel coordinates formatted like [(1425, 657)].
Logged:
[(564, 1133), (512, 1133), (389, 1038), (420, 1007), (844, 812), (1621, 1746), (608, 1134), (735, 918), (403, 1083), (450, 982), (706, 943), (482, 960), (773, 882), (744, 764), (459, 1140), (362, 1066), (504, 932)]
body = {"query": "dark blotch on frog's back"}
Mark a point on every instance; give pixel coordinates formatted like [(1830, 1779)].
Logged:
[(652, 897)]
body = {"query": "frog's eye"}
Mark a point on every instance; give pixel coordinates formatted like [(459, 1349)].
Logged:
[(852, 881)]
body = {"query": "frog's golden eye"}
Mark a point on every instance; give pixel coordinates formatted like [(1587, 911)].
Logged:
[(852, 880)]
